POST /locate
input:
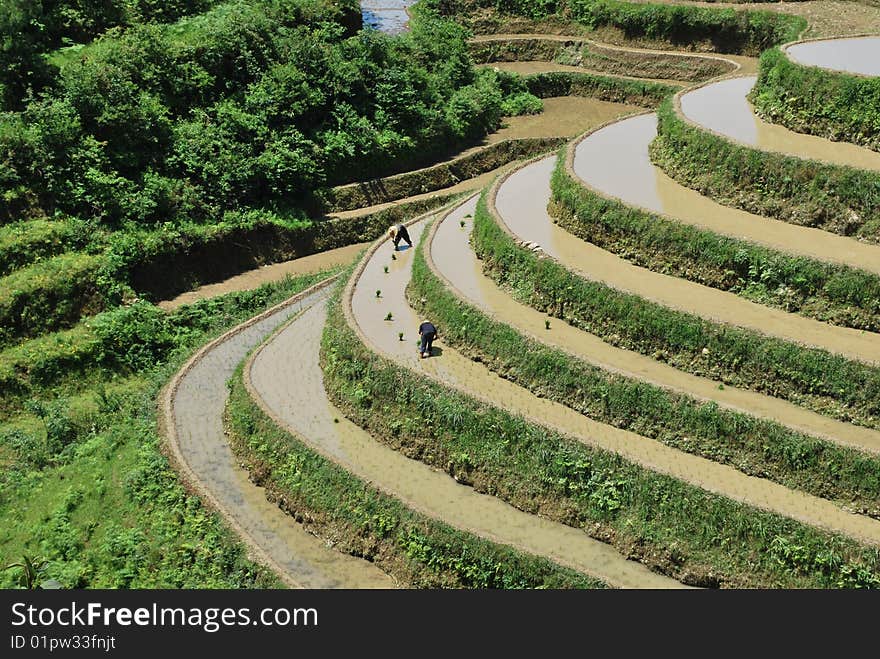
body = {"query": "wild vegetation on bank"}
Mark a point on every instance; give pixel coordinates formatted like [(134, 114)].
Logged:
[(843, 200), (723, 30), (418, 551), (809, 99), (826, 383), (829, 292), (85, 488), (674, 528)]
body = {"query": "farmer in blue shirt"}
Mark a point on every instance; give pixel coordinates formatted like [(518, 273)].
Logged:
[(428, 333)]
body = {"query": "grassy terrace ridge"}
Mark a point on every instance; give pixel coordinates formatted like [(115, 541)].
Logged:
[(84, 483), (828, 292), (48, 295), (418, 551), (116, 342), (813, 378), (809, 99), (835, 198), (673, 528), (598, 57), (605, 88), (59, 291), (723, 30), (446, 174), (24, 243), (754, 446)]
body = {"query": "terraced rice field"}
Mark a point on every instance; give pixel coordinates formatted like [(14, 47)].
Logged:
[(758, 480)]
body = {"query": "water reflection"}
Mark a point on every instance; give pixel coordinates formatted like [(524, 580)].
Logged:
[(387, 16), (858, 55)]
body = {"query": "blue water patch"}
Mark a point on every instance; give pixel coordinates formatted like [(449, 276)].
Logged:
[(387, 16)]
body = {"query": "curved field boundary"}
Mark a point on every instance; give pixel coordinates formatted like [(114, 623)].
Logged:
[(829, 185), (640, 366), (737, 63), (467, 281), (190, 419), (475, 380), (691, 207), (821, 151), (428, 179), (816, 100), (534, 224), (631, 62), (784, 48), (284, 379)]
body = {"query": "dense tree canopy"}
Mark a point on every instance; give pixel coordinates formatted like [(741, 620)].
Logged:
[(253, 103)]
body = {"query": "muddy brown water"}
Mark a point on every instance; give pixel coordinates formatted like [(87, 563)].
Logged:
[(457, 263), (452, 368), (858, 55), (723, 108), (287, 376), (522, 201), (197, 410)]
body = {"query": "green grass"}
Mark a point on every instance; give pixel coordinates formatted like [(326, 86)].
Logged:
[(754, 446), (671, 526), (813, 378), (85, 484), (829, 292), (616, 90), (25, 243), (48, 295), (418, 551), (807, 99), (842, 200)]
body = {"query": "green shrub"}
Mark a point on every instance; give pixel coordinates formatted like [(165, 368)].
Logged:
[(673, 527), (829, 292), (808, 99), (843, 200), (827, 383)]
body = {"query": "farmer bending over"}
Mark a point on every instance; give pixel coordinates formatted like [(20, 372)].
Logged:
[(428, 333), (397, 233)]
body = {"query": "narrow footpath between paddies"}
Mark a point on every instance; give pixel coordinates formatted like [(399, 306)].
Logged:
[(614, 161), (521, 201), (450, 253), (193, 405), (722, 107), (745, 63), (255, 278), (454, 369), (287, 381), (528, 67)]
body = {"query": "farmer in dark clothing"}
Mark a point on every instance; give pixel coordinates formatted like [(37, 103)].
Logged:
[(428, 333), (397, 233)]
